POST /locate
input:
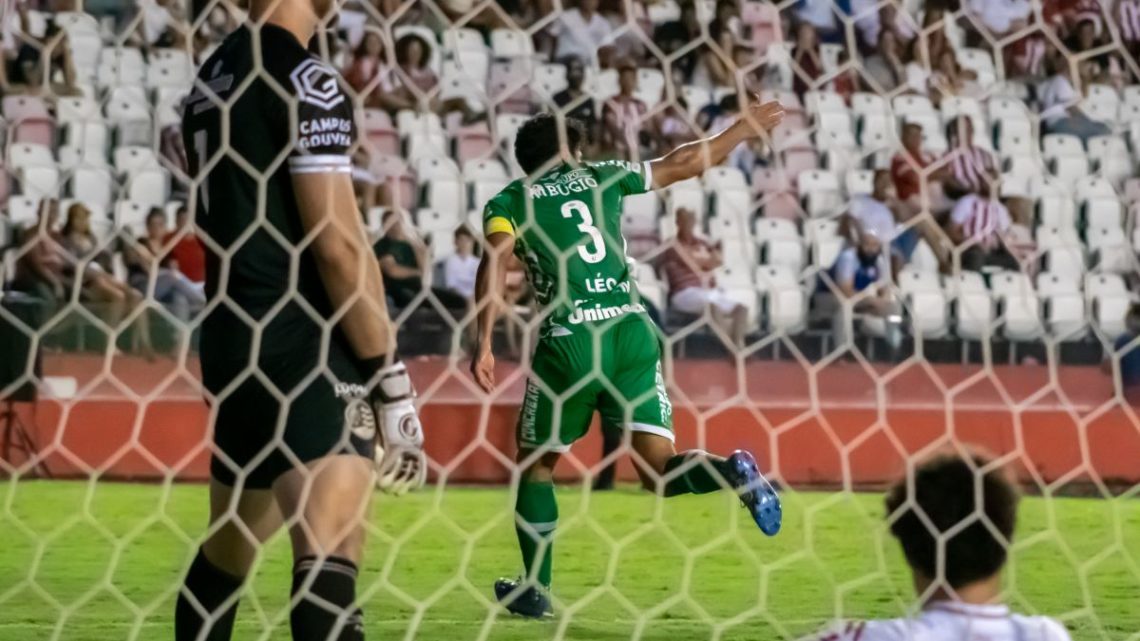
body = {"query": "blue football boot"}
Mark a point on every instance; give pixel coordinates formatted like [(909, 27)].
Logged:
[(756, 493)]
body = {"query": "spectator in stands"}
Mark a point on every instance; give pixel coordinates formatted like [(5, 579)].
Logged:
[(581, 32), (673, 128), (162, 24), (1129, 358), (880, 213), (459, 268), (885, 69), (364, 71), (751, 69), (41, 265), (1127, 14), (969, 168), (873, 20), (687, 265), (1060, 109), (1025, 58), (711, 70), (980, 226), (187, 254), (676, 34), (575, 102), (821, 16), (629, 37), (1102, 68), (148, 255), (1001, 17), (862, 267), (625, 118), (806, 61), (954, 517), (404, 260), (949, 79), (907, 173), (933, 39), (719, 117), (412, 83), (44, 67)]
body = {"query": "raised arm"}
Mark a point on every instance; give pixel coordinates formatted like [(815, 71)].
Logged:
[(490, 280), (691, 159)]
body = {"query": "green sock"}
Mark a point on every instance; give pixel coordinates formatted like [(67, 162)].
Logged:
[(536, 516), (700, 473)]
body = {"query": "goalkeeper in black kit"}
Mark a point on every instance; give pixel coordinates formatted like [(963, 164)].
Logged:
[(310, 405)]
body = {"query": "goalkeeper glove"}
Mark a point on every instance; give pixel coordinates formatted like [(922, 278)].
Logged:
[(400, 461)]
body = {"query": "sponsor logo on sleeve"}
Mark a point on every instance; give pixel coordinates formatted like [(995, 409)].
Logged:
[(316, 84)]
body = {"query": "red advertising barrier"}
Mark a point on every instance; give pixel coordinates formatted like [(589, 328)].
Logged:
[(840, 424)]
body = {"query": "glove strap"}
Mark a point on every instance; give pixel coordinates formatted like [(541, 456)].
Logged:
[(392, 384)]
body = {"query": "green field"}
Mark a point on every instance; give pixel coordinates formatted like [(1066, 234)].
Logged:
[(102, 561)]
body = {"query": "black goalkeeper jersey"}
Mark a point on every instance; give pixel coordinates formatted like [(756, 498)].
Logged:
[(263, 108)]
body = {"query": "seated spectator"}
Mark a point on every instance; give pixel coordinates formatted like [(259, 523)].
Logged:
[(969, 169), (41, 268), (980, 225), (1001, 17), (949, 79), (885, 69), (907, 173), (187, 254), (1127, 14), (687, 265), (862, 267), (673, 128), (625, 121), (821, 16), (404, 260), (954, 517), (1103, 68), (575, 102), (1025, 58), (1060, 109), (580, 32), (148, 256), (712, 70), (459, 268), (879, 213), (1129, 358), (629, 33), (412, 83), (162, 24), (807, 65), (363, 73), (675, 35), (44, 67), (750, 69), (873, 20)]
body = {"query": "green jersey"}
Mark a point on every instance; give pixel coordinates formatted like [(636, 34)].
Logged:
[(567, 228)]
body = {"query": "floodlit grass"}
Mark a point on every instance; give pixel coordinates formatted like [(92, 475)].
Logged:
[(103, 561)]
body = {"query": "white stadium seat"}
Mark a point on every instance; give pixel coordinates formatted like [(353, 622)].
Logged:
[(779, 243), (785, 300), (973, 305), (1020, 307), (1108, 299), (1064, 306), (923, 295)]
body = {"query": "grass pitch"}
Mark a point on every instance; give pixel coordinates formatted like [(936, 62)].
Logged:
[(92, 562)]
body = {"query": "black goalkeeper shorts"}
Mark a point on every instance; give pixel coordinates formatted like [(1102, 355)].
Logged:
[(293, 413)]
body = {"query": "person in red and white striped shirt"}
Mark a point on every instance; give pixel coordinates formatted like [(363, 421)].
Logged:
[(625, 118), (980, 224), (962, 593), (969, 169), (1128, 19)]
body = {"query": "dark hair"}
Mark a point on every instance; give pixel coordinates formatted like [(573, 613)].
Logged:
[(155, 212), (945, 488), (538, 140), (406, 41), (463, 230)]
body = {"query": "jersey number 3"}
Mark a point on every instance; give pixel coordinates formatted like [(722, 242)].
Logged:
[(595, 250)]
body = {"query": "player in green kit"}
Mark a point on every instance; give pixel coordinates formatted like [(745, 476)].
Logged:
[(597, 350)]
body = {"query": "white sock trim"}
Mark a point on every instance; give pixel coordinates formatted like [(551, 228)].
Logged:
[(652, 429)]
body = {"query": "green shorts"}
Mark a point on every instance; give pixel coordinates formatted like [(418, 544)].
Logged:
[(616, 372)]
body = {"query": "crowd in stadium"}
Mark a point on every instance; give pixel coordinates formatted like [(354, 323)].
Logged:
[(980, 156)]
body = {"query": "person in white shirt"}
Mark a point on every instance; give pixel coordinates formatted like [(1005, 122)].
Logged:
[(459, 268), (1060, 109), (581, 31), (1002, 17), (981, 225), (961, 603)]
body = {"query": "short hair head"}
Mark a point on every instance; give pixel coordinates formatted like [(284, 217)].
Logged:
[(946, 489), (540, 140)]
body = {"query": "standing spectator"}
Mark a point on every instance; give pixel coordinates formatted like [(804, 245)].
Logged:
[(687, 265), (885, 67), (954, 517), (148, 255), (575, 102), (970, 169), (980, 225), (186, 251), (860, 268), (807, 64), (625, 117), (1060, 109), (581, 32)]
